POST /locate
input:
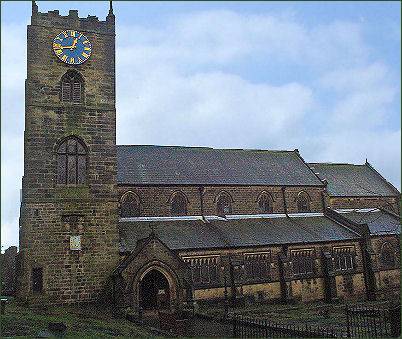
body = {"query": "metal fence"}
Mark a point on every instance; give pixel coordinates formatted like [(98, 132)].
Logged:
[(245, 327), (372, 322), (362, 322)]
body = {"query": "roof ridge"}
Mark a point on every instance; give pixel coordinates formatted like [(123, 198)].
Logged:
[(334, 163), (212, 148)]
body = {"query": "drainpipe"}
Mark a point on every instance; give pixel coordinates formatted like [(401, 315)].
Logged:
[(324, 206), (285, 207), (201, 190)]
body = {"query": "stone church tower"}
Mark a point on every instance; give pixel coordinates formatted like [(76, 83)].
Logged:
[(68, 223)]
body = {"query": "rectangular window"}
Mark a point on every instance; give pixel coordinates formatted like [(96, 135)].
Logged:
[(302, 261), (256, 266), (204, 270), (343, 258), (37, 280)]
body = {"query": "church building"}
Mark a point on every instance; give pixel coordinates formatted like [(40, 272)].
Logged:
[(153, 227)]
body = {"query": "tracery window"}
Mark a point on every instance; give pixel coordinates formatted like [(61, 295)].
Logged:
[(72, 87), (204, 270), (343, 258), (71, 162), (179, 204), (302, 262), (224, 204), (129, 205), (387, 256), (303, 202), (256, 266), (265, 203)]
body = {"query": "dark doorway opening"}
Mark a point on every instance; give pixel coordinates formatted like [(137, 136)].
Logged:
[(154, 291)]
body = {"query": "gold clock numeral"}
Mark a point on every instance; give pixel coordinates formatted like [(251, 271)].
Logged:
[(65, 34), (58, 51), (87, 49), (64, 57), (72, 33), (86, 42), (85, 55), (80, 60), (56, 46), (72, 60)]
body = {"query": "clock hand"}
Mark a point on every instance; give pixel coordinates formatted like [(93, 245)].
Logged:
[(74, 43)]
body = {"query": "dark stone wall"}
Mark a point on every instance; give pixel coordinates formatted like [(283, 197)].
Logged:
[(390, 203), (51, 213), (8, 271), (155, 201)]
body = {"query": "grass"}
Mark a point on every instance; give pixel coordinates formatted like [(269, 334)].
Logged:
[(82, 321)]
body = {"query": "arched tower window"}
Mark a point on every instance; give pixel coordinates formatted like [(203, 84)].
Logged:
[(387, 255), (72, 162), (72, 87), (303, 202), (265, 203), (129, 205), (178, 204), (223, 204)]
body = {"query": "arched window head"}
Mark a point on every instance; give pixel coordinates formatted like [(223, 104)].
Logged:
[(72, 162), (387, 255), (129, 205), (179, 204), (224, 204), (72, 87), (265, 203), (303, 202)]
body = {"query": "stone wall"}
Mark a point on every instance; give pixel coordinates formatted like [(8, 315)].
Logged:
[(156, 200), (349, 284), (391, 203), (8, 271)]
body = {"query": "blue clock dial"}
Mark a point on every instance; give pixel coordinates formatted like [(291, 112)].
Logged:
[(72, 47)]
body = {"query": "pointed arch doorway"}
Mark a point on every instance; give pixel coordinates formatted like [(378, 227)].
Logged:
[(154, 291)]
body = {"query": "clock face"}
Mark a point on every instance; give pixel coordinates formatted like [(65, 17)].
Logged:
[(72, 47)]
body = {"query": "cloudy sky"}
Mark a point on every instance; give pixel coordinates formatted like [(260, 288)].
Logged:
[(321, 77)]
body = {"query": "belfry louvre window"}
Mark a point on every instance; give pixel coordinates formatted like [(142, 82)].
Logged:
[(37, 280), (72, 87), (302, 261), (179, 204), (71, 162), (204, 270), (265, 203), (343, 258), (129, 205), (256, 266)]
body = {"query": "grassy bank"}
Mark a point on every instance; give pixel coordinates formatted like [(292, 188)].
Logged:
[(82, 321)]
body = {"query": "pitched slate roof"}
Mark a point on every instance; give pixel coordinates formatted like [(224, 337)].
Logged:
[(163, 165), (353, 180), (378, 222), (196, 234)]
